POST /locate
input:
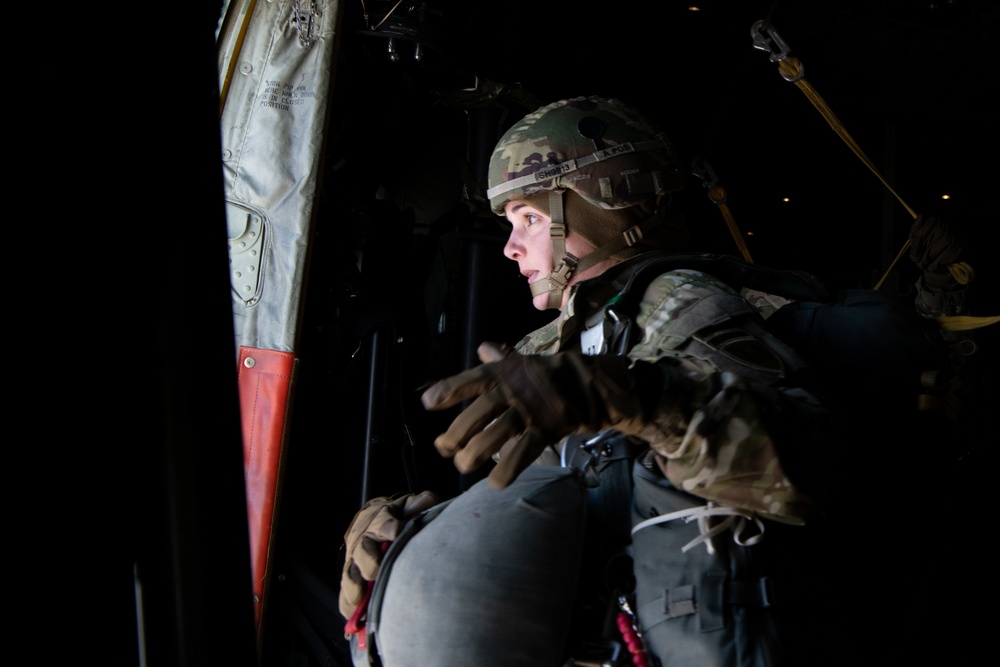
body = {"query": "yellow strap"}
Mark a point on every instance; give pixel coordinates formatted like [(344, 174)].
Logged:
[(962, 272), (247, 14), (966, 322), (790, 68), (717, 195)]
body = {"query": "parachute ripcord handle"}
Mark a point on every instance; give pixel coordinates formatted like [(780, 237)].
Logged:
[(766, 38)]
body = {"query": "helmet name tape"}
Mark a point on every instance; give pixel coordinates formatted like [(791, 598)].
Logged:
[(572, 165), (552, 172), (604, 154)]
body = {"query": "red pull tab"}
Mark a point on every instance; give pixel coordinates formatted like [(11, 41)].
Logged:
[(356, 623)]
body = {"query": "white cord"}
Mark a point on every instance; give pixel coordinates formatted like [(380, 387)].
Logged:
[(702, 514)]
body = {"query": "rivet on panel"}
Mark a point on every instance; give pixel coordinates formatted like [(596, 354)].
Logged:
[(246, 68), (227, 154), (249, 362)]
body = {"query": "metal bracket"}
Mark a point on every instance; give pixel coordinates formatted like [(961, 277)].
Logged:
[(766, 38), (247, 239), (703, 170), (304, 18), (770, 42)]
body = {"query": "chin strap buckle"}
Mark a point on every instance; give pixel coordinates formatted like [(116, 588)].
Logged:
[(562, 273)]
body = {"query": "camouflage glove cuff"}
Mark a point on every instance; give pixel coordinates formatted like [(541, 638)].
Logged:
[(528, 402)]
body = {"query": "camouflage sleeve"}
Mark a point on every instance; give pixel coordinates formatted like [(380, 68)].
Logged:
[(715, 431)]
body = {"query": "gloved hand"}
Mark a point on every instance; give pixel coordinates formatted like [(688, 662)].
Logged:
[(492, 352), (379, 522), (934, 247), (528, 402)]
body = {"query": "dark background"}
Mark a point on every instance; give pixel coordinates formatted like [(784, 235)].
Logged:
[(411, 139), (137, 149)]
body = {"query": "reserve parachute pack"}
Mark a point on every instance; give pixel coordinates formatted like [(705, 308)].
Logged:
[(486, 578)]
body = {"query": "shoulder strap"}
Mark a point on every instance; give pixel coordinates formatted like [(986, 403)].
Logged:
[(733, 271), (618, 292)]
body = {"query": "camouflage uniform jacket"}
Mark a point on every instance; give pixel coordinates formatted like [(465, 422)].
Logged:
[(707, 436)]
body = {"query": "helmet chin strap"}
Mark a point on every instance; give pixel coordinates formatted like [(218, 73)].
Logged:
[(566, 265)]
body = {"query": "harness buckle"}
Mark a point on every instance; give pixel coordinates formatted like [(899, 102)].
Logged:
[(620, 337), (632, 235)]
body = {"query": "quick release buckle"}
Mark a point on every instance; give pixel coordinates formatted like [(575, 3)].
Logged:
[(562, 273)]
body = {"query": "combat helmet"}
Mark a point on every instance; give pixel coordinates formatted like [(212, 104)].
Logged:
[(601, 150)]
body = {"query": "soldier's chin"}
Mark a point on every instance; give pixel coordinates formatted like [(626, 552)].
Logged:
[(541, 301)]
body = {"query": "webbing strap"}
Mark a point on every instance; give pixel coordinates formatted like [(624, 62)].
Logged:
[(962, 272), (626, 239), (717, 195), (792, 71), (966, 322), (557, 227), (570, 166), (708, 600)]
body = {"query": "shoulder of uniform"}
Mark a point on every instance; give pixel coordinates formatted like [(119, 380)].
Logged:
[(690, 282)]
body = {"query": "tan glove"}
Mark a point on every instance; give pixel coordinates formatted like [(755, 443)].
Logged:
[(378, 523), (528, 402), (934, 248)]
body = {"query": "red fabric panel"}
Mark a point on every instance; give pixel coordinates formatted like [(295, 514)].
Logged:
[(265, 384)]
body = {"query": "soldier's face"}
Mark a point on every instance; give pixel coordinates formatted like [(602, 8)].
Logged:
[(530, 246)]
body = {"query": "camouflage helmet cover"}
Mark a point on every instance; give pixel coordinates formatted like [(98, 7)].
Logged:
[(600, 148)]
